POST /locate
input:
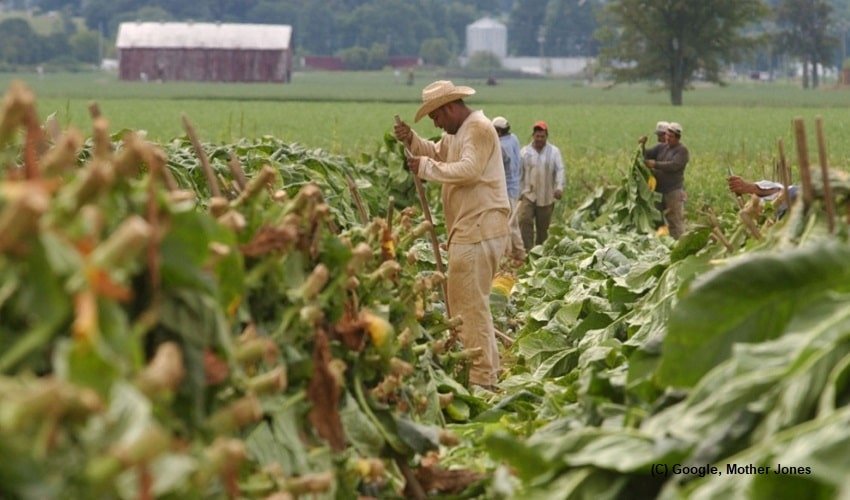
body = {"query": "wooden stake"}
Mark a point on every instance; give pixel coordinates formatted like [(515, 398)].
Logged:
[(824, 168), (785, 176), (803, 158), (435, 243), (212, 182), (506, 339), (390, 208)]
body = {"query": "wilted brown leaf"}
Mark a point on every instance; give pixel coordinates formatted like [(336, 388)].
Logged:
[(324, 394)]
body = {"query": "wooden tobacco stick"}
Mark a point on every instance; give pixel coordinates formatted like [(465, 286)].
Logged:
[(390, 207), (784, 175), (803, 158), (435, 243), (212, 182), (824, 168), (506, 339)]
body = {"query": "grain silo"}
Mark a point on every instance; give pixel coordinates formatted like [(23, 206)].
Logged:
[(487, 35)]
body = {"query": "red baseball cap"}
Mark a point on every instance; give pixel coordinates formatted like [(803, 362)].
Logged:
[(541, 125)]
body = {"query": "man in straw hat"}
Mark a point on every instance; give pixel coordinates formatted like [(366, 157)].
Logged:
[(669, 169), (467, 161)]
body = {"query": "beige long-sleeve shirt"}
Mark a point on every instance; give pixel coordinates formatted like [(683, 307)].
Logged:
[(469, 166), (541, 174)]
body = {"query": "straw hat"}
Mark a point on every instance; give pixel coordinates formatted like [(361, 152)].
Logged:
[(661, 127), (438, 93), (675, 128)]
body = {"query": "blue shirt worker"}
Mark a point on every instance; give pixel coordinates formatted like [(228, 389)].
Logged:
[(510, 157)]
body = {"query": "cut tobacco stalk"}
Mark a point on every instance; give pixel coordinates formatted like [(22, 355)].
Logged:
[(236, 415), (17, 103), (96, 178), (212, 180), (165, 371), (20, 216), (125, 244), (272, 382), (237, 171), (314, 283), (265, 177), (63, 156), (102, 142), (142, 447), (253, 350)]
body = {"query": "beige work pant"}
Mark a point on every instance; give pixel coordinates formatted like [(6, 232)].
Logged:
[(532, 217), (471, 270), (515, 247), (674, 212)]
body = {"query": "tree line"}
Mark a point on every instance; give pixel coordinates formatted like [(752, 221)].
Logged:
[(667, 41)]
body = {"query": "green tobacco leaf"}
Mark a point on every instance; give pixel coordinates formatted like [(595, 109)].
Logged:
[(539, 345), (749, 300), (420, 438), (527, 462), (690, 243), (362, 433), (280, 441)]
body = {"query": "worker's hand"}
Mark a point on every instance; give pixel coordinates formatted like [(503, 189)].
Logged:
[(642, 140), (403, 132), (413, 164), (650, 163), (739, 186), (558, 193)]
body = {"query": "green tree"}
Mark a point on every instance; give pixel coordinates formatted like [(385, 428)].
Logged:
[(569, 27), (356, 58), (378, 56), (435, 51), (526, 26), (805, 32), (672, 41), (85, 46), (19, 44)]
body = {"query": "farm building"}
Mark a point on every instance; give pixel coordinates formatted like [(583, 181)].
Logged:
[(204, 52), (487, 35)]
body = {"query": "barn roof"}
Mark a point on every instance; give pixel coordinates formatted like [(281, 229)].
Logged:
[(203, 35)]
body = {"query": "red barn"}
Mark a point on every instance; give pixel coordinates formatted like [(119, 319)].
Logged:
[(215, 52)]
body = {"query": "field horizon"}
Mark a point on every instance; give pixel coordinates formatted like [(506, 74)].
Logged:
[(734, 127)]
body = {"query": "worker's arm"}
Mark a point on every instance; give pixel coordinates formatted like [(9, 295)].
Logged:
[(479, 143)]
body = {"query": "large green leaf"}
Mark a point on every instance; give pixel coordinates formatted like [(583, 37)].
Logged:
[(749, 300)]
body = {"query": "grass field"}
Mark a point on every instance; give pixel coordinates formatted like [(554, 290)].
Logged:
[(596, 127)]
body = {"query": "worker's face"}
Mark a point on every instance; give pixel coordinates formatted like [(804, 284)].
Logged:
[(539, 138), (672, 138), (662, 136), (443, 118)]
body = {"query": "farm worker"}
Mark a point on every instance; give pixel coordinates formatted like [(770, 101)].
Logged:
[(510, 158), (660, 135), (467, 161), (542, 181), (669, 170), (767, 191)]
